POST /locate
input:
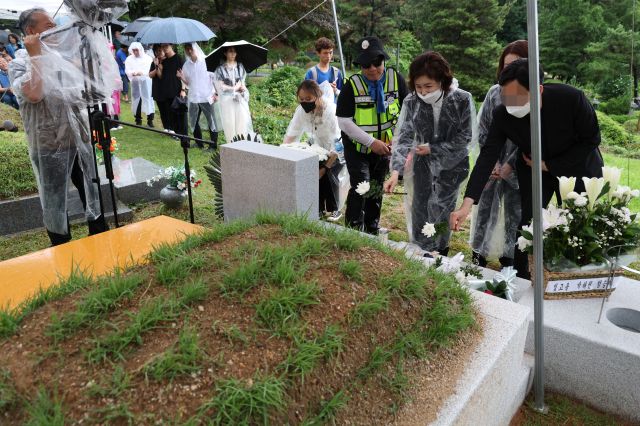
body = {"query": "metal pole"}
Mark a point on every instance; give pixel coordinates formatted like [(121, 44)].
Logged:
[(398, 57), (536, 178), (335, 20)]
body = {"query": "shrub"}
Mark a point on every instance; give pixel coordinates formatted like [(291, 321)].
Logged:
[(631, 126), (612, 133), (280, 88), (16, 174), (617, 105)]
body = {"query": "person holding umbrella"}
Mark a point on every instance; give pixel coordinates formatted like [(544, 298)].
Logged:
[(201, 93), (234, 96), (169, 85)]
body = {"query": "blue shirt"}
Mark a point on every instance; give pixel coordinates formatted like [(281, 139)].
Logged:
[(325, 76), (120, 58), (8, 98)]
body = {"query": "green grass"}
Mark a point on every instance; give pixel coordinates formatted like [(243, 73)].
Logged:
[(238, 402), (242, 279), (372, 305), (232, 333), (181, 359), (409, 282), (113, 414), (351, 269), (151, 315), (173, 271), (309, 352), (113, 386), (8, 395), (107, 295), (10, 319), (282, 308), (328, 409), (195, 290), (16, 175), (45, 409)]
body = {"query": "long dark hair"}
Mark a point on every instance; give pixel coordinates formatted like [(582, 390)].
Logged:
[(519, 48)]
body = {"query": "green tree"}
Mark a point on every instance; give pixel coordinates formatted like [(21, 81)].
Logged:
[(566, 29), (515, 24), (465, 34)]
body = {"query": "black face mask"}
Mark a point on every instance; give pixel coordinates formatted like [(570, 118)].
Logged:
[(308, 106)]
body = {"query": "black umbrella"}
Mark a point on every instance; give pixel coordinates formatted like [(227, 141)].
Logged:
[(134, 28), (117, 25), (250, 55)]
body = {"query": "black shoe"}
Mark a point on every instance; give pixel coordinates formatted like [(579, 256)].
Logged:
[(138, 122), (478, 259), (150, 124), (444, 251)]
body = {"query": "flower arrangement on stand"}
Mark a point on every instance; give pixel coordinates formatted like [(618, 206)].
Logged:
[(577, 234), (175, 192), (113, 147)]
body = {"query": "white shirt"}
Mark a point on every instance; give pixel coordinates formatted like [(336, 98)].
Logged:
[(198, 80), (323, 130)]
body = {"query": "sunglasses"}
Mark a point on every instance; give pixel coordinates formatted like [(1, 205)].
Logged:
[(376, 63)]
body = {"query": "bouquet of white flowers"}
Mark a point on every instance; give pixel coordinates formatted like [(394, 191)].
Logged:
[(580, 231)]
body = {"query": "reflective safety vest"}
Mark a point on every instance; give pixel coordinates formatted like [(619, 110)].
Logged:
[(380, 126)]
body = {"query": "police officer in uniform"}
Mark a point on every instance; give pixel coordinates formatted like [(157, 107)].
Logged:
[(368, 108)]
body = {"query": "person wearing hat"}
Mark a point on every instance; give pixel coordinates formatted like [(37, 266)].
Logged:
[(368, 108)]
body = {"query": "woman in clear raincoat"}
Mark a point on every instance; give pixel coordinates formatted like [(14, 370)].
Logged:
[(233, 96), (53, 90), (430, 148), (137, 68), (495, 219), (316, 116)]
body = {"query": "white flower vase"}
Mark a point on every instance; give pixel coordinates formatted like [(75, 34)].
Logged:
[(172, 197)]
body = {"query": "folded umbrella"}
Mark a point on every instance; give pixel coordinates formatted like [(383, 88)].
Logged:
[(134, 27), (250, 55), (174, 31)]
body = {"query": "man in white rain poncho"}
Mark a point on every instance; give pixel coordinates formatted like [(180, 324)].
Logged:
[(201, 94), (137, 66), (49, 87), (431, 146)]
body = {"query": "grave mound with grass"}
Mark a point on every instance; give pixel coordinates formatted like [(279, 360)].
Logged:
[(274, 321)]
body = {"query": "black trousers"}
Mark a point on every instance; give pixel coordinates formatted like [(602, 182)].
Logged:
[(95, 226), (364, 213), (327, 200), (167, 116), (197, 133), (139, 115)]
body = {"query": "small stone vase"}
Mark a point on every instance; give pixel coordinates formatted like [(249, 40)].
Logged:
[(172, 197)]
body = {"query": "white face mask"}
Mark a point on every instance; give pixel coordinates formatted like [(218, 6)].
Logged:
[(519, 111), (431, 98)]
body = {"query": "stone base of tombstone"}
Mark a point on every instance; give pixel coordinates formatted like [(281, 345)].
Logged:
[(258, 177)]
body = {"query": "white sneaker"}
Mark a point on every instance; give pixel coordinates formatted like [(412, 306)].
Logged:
[(335, 216)]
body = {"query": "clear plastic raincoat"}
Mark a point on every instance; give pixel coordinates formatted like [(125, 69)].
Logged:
[(323, 130), (140, 83), (234, 104), (433, 181), (495, 219), (201, 89), (75, 69)]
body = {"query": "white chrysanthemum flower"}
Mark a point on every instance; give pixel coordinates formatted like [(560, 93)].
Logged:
[(363, 187), (572, 195), (580, 201), (523, 243), (428, 230), (553, 217)]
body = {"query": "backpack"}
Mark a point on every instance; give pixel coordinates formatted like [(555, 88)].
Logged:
[(335, 70)]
